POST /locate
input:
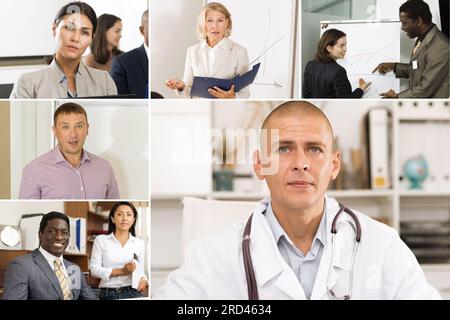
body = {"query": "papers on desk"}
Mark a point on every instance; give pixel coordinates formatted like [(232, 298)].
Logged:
[(201, 85)]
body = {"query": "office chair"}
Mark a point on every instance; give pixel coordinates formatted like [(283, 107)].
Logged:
[(204, 216)]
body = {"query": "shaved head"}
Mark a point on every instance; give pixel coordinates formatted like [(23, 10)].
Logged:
[(144, 18), (144, 28), (296, 158), (297, 109)]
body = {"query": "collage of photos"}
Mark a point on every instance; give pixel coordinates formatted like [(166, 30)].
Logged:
[(74, 165), (234, 160)]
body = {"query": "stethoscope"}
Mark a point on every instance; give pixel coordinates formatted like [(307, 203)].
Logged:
[(250, 273)]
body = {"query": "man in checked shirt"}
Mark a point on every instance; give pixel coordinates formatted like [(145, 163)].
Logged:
[(69, 171)]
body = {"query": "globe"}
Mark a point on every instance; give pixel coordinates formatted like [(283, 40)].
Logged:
[(416, 170)]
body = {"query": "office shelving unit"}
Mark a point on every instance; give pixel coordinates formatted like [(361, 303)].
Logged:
[(94, 223), (425, 125)]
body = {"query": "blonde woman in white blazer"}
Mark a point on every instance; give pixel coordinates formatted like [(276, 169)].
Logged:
[(215, 56)]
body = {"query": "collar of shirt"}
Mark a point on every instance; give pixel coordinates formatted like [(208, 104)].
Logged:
[(225, 44), (212, 53), (279, 233), (131, 238), (51, 258), (425, 34), (147, 51), (58, 156), (62, 78)]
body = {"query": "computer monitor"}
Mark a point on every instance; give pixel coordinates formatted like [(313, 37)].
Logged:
[(5, 90)]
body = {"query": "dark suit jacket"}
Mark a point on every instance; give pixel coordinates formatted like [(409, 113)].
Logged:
[(29, 277), (327, 80), (431, 78), (130, 72)]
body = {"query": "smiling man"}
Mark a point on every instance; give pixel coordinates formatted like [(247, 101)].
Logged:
[(428, 67), (299, 243), (44, 274), (69, 171)]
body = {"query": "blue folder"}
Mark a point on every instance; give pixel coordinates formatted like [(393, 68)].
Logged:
[(78, 234), (201, 85)]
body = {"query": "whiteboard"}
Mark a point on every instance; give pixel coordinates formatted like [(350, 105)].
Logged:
[(368, 44), (175, 19), (26, 24), (257, 25), (26, 27)]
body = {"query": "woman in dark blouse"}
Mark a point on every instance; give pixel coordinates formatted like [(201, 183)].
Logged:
[(324, 77)]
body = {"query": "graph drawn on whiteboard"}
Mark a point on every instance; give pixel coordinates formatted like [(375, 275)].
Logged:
[(264, 28), (368, 44)]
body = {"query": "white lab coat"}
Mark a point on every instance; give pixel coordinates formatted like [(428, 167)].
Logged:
[(231, 61), (384, 266)]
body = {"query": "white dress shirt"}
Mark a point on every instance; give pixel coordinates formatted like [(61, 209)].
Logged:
[(108, 254), (147, 51), (51, 261), (304, 265), (211, 57)]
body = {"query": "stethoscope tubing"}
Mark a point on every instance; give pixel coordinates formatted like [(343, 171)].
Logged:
[(252, 287)]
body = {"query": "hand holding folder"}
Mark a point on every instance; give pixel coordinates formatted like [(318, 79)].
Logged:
[(201, 85)]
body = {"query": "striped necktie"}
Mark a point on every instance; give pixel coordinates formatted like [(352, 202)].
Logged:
[(416, 47), (63, 280)]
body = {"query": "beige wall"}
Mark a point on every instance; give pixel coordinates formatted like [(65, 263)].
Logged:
[(5, 165)]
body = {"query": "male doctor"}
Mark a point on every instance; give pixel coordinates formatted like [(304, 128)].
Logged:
[(292, 250)]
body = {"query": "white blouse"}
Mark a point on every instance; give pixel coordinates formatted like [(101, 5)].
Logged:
[(51, 262), (108, 254)]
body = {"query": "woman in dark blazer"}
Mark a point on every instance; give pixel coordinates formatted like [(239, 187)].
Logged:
[(324, 77)]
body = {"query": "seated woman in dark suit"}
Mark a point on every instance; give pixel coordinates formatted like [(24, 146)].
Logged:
[(324, 77)]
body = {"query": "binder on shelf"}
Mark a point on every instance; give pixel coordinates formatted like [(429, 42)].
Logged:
[(77, 240), (378, 148), (81, 235), (71, 247)]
